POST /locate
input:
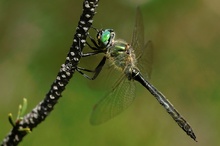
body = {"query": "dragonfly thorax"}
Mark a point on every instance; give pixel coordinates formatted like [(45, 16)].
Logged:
[(122, 56), (118, 48)]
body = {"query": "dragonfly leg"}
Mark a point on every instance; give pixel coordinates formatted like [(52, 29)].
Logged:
[(97, 51), (97, 47), (93, 48), (94, 41), (96, 71), (91, 53)]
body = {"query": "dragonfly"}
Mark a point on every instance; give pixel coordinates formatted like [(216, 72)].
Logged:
[(127, 58)]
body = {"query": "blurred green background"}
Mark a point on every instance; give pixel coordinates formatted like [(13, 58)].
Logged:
[(35, 37)]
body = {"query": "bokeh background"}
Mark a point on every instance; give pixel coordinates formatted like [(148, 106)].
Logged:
[(35, 37)]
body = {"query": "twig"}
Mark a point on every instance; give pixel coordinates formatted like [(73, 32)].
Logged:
[(42, 110)]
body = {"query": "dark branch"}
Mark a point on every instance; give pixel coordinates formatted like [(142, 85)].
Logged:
[(42, 110)]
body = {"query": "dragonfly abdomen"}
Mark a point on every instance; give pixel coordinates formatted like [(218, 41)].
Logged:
[(165, 103)]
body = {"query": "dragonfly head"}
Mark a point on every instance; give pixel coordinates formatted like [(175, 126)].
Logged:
[(106, 37)]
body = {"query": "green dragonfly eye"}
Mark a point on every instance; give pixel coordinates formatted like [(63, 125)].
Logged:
[(105, 37)]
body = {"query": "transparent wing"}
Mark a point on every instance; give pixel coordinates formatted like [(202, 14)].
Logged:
[(117, 100), (145, 60), (107, 78), (144, 52), (137, 41)]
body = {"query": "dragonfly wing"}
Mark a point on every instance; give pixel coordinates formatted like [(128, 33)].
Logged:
[(145, 60), (108, 75), (137, 41), (117, 100), (144, 53)]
